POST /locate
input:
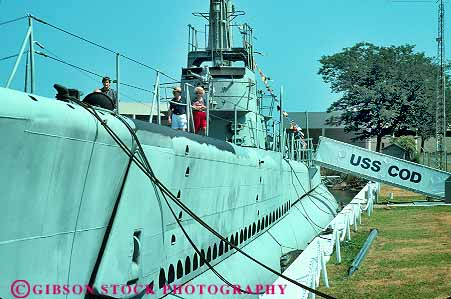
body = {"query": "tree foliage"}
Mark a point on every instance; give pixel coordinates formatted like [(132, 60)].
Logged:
[(408, 143), (384, 90)]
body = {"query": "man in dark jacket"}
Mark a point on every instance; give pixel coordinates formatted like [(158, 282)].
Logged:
[(106, 81), (177, 111)]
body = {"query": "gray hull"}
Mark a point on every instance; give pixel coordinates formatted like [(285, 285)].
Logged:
[(77, 212)]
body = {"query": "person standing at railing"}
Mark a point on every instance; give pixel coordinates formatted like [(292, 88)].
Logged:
[(296, 132), (111, 93), (291, 132), (199, 112), (177, 111), (299, 135)]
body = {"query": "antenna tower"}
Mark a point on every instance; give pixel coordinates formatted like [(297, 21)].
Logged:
[(440, 126)]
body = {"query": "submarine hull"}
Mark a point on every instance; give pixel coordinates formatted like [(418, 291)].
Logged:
[(76, 208)]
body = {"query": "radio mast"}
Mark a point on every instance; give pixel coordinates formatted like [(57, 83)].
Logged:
[(440, 117)]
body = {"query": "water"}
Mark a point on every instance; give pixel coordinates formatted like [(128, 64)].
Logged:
[(344, 196)]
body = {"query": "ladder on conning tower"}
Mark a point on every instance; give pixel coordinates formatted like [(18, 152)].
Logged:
[(382, 168)]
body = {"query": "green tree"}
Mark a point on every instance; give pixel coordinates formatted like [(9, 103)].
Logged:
[(408, 143), (384, 90)]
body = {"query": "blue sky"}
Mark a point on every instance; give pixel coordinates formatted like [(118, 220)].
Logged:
[(292, 35)]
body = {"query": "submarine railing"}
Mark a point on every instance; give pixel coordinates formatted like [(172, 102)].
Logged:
[(189, 114), (156, 92), (156, 99), (300, 149), (29, 37), (236, 107), (193, 44)]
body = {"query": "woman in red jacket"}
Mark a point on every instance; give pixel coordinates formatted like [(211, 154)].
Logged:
[(199, 114)]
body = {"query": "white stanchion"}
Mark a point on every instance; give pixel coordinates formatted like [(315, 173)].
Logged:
[(337, 246), (343, 233), (313, 286), (370, 198), (324, 271), (348, 228), (318, 252), (355, 220), (360, 213)]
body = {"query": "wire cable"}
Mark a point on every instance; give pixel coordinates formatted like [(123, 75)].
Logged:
[(13, 20), (297, 178), (186, 235), (88, 71), (84, 72), (69, 64), (150, 174), (101, 46), (148, 168), (147, 164), (274, 238), (306, 215), (12, 56)]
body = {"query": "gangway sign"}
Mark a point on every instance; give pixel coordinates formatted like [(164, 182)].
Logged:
[(382, 168)]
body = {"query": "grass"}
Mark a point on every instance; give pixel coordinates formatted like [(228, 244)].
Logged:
[(399, 195), (410, 258)]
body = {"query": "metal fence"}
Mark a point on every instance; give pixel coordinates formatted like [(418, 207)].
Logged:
[(430, 159), (298, 149)]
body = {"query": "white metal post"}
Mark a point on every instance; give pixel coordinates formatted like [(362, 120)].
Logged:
[(158, 102), (207, 129), (188, 106), (19, 57), (337, 245), (117, 79), (191, 115), (360, 213), (273, 135), (281, 130), (32, 65), (257, 138), (348, 227), (355, 220), (324, 270), (235, 119), (299, 150), (370, 198), (155, 97), (27, 66), (313, 285)]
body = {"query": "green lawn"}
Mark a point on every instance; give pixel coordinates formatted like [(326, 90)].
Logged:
[(410, 258), (385, 199), (399, 195)]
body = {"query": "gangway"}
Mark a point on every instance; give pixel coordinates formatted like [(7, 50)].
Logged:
[(382, 168)]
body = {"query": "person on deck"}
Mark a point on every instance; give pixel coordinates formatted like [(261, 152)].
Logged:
[(106, 81), (199, 114), (177, 111), (293, 127)]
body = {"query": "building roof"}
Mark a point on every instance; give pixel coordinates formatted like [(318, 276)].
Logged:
[(315, 119), (138, 108), (395, 145)]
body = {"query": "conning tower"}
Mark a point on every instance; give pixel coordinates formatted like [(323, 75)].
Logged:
[(227, 73)]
